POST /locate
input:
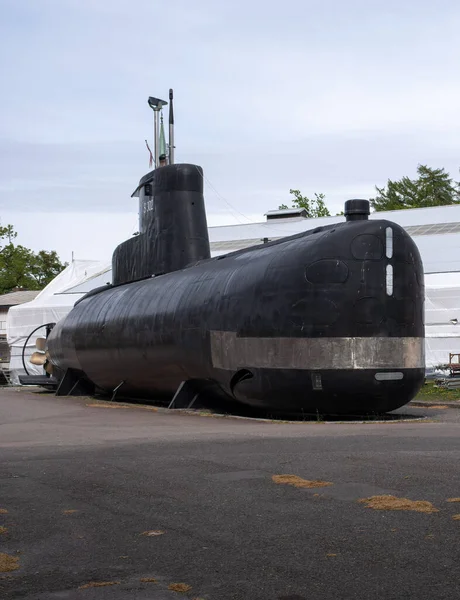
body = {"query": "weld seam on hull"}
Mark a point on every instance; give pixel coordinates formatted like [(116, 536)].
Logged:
[(230, 352)]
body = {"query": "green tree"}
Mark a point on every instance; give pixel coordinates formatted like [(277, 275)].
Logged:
[(8, 233), (21, 267), (433, 187), (45, 267), (315, 207)]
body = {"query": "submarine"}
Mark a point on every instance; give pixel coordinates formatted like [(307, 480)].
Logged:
[(327, 321)]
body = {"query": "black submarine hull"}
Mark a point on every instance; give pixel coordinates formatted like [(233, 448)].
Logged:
[(328, 321)]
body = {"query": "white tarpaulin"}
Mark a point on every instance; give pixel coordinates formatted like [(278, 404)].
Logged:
[(52, 304), (442, 317)]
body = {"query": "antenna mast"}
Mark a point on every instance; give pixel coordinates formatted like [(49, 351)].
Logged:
[(171, 128)]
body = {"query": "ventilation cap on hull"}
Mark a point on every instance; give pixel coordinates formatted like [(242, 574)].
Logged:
[(357, 210)]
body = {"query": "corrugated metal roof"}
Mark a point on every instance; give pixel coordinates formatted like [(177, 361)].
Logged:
[(239, 244), (435, 231), (91, 283), (14, 298)]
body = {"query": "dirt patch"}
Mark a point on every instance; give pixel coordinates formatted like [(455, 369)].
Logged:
[(394, 503), (96, 405), (456, 517), (148, 580), (71, 511), (299, 482), (8, 563), (93, 584), (3, 530), (179, 587), (438, 406), (453, 500), (153, 532), (3, 511)]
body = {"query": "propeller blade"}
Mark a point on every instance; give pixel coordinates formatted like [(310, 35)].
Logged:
[(49, 368), (38, 358), (40, 344)]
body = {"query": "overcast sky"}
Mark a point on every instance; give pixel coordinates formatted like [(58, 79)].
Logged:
[(324, 96)]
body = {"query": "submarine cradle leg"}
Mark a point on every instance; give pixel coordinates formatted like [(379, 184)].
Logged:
[(185, 396), (75, 383)]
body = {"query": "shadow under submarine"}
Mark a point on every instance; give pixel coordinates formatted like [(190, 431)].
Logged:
[(328, 321)]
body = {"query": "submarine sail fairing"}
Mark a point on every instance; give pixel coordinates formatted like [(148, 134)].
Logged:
[(329, 320)]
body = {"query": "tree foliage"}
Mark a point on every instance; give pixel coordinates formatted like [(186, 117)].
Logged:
[(433, 187), (23, 268), (315, 207)]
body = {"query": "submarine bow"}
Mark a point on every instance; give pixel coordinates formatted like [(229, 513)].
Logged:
[(329, 320)]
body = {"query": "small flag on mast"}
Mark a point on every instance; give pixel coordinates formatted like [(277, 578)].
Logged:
[(151, 155)]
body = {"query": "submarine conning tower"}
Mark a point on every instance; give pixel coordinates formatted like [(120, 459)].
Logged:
[(173, 232)]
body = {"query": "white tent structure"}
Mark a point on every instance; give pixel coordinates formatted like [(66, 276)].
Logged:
[(50, 306), (442, 317), (436, 231)]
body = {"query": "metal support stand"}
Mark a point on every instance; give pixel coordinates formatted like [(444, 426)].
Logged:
[(74, 383), (114, 393), (185, 395)]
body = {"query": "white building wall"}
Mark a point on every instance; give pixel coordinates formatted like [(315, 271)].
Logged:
[(3, 317)]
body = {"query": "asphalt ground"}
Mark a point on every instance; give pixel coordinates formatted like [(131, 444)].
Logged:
[(81, 483)]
